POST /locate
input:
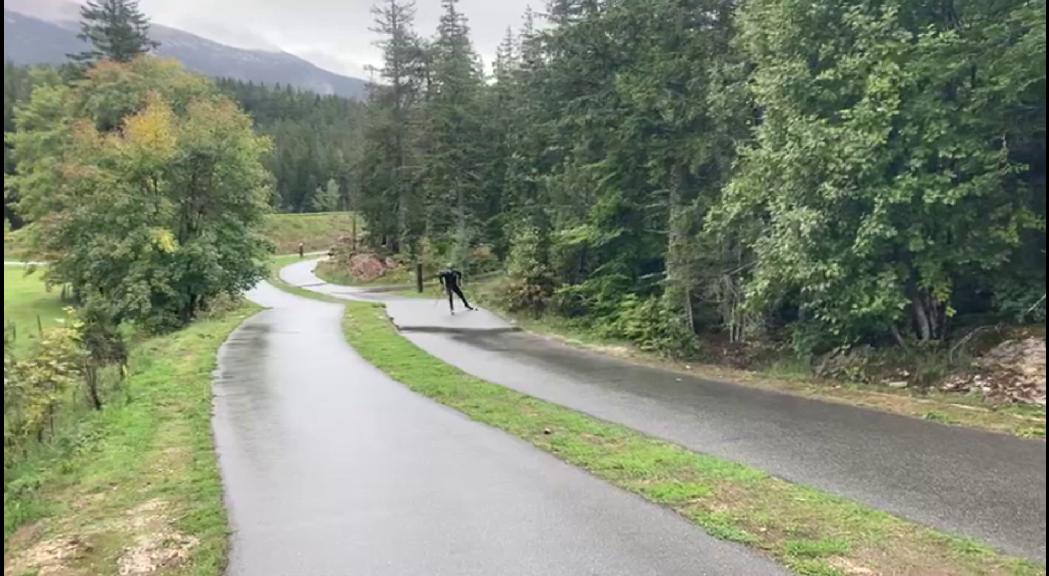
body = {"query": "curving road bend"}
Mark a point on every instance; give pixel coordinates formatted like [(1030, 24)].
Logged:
[(331, 468), (967, 482)]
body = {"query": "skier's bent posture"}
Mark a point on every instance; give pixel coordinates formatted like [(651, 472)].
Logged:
[(451, 280)]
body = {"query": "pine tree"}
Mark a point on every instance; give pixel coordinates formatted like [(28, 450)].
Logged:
[(116, 30), (453, 162), (665, 167), (390, 167), (328, 198)]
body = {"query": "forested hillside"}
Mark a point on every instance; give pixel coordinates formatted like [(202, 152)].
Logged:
[(817, 173), (316, 139)]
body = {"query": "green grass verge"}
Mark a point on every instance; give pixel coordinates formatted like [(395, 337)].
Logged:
[(26, 299), (315, 231), (810, 532), (277, 263), (139, 473)]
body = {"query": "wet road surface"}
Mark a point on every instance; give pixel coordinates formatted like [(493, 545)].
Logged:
[(966, 482), (330, 469)]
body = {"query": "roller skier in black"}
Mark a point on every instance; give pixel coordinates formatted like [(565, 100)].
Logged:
[(451, 279)]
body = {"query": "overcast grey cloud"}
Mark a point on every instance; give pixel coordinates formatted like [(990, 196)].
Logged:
[(331, 33)]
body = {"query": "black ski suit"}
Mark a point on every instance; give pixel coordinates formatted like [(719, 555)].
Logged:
[(451, 279)]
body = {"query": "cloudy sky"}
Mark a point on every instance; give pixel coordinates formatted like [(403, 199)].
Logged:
[(331, 33)]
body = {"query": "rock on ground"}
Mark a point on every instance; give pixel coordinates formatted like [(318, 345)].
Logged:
[(1013, 371)]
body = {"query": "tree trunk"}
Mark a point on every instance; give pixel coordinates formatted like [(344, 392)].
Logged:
[(403, 237), (921, 318), (354, 216), (460, 222), (678, 262), (930, 315), (92, 387)]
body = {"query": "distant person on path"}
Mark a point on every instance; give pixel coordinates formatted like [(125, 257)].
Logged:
[(302, 250), (451, 279)]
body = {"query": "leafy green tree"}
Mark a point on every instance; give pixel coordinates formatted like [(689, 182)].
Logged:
[(660, 168), (19, 82), (147, 187), (329, 198), (529, 279), (882, 173), (38, 386), (116, 30)]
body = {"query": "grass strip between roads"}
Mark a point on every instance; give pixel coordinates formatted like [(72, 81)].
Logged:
[(135, 482), (810, 532), (279, 262)]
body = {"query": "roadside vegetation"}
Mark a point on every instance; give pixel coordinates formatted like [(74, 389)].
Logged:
[(143, 188), (810, 532), (133, 488), (776, 369), (365, 270), (855, 189)]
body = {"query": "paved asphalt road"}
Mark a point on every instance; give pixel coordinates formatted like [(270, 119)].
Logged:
[(978, 484), (331, 469)]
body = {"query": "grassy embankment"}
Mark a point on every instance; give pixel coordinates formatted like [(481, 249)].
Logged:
[(135, 484), (333, 272), (318, 232)]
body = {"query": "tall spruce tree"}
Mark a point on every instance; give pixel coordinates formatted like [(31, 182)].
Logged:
[(663, 167), (116, 30), (390, 165), (453, 139)]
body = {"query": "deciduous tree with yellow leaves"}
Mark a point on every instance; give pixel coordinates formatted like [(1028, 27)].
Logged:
[(147, 188)]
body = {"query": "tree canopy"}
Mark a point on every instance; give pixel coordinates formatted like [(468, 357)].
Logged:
[(115, 30), (857, 172), (146, 187)]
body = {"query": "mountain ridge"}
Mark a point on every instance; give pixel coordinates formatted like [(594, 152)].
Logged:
[(48, 35)]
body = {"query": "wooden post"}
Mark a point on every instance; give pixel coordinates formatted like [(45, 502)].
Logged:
[(39, 326), (419, 277)]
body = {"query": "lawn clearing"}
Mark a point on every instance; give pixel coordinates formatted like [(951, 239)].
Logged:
[(315, 231), (27, 299)]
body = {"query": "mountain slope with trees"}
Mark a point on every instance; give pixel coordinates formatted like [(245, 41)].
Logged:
[(40, 32), (821, 175)]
